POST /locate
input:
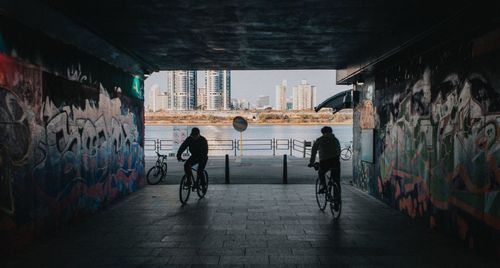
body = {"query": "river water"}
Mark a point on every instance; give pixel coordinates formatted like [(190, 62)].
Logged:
[(253, 132)]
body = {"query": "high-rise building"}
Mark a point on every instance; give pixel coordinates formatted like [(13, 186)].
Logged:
[(182, 89), (304, 96), (153, 101), (201, 99), (263, 101), (218, 89), (281, 96)]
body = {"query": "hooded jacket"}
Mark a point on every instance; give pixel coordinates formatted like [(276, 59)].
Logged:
[(327, 145)]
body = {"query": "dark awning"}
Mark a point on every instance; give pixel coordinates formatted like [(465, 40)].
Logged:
[(342, 100)]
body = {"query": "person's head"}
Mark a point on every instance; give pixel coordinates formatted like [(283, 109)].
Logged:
[(195, 132), (326, 130)]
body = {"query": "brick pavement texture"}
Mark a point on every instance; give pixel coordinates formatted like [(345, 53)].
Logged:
[(247, 226)]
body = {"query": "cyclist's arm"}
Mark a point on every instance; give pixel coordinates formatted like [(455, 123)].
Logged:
[(314, 151), (183, 147)]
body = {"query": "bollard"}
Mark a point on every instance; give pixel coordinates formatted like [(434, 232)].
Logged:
[(226, 173), (285, 170)]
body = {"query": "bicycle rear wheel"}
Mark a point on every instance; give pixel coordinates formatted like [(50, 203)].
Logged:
[(320, 197), (336, 202), (155, 174), (203, 187), (345, 154), (184, 190)]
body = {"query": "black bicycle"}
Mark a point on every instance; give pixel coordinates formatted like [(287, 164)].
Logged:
[(346, 152), (159, 171), (188, 184), (330, 195)]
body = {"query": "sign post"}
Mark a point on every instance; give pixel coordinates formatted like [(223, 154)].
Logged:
[(240, 124)]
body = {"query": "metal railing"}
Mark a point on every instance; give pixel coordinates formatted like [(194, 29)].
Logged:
[(300, 148), (303, 147)]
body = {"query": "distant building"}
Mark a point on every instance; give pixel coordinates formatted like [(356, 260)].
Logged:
[(201, 98), (235, 104), (163, 102), (218, 89), (289, 104), (241, 104), (153, 105), (182, 90), (263, 101), (281, 96), (304, 96)]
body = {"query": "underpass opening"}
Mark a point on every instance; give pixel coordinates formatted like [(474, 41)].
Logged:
[(278, 106)]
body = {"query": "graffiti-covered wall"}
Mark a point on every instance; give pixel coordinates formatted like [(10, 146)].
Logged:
[(71, 134), (436, 132)]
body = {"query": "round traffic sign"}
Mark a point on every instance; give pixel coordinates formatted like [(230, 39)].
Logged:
[(240, 123)]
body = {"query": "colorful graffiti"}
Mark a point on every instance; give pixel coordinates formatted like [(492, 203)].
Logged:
[(367, 120), (438, 150), (67, 148)]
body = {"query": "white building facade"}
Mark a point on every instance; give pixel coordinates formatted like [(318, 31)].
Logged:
[(218, 89), (281, 96), (153, 104), (181, 90), (304, 96)]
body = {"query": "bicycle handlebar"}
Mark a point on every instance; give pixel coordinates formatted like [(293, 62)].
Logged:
[(315, 166)]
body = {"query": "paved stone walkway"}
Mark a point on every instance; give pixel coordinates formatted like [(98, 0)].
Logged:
[(247, 226)]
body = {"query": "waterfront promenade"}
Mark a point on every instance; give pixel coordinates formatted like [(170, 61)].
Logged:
[(253, 170)]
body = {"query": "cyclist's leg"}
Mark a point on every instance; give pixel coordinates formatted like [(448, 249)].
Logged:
[(336, 174), (187, 168), (323, 169), (201, 167)]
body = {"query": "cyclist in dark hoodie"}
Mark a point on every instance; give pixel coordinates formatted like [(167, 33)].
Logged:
[(329, 156), (198, 147)]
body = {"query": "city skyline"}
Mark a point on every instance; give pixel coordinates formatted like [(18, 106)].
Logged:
[(249, 84)]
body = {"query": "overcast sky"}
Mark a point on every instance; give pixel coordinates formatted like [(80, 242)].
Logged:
[(250, 84)]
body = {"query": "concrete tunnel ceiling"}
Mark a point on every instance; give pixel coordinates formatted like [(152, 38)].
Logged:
[(255, 34)]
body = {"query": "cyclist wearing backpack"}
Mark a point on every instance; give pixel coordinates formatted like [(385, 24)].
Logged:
[(329, 156), (198, 147)]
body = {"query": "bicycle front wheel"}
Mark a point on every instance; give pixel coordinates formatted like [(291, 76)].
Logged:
[(184, 189), (203, 185), (336, 202), (155, 174), (320, 197), (345, 154)]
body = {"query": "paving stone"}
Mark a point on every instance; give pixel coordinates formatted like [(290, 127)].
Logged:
[(194, 260), (244, 260), (293, 259), (247, 226)]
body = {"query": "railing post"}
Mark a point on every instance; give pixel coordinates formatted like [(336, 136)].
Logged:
[(273, 144), (304, 146), (285, 170), (226, 173), (157, 145), (290, 146), (235, 146)]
